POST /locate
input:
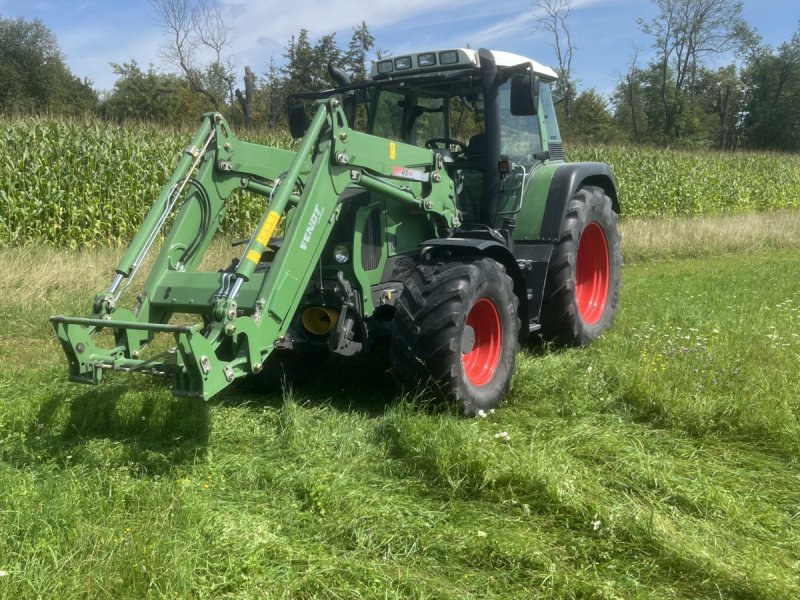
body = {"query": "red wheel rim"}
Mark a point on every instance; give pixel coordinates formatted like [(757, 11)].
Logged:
[(592, 274), (480, 363)]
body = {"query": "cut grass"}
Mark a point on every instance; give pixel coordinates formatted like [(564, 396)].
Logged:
[(660, 239), (661, 462)]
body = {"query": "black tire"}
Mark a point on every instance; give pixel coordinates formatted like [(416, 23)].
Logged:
[(581, 295), (447, 309)]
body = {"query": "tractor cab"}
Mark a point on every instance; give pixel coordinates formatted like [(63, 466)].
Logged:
[(488, 114)]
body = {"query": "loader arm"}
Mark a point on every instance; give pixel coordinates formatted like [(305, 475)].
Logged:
[(238, 316)]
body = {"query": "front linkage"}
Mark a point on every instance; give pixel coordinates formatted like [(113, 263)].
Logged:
[(245, 313)]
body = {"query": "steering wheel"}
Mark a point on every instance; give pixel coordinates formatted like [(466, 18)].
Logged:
[(433, 143)]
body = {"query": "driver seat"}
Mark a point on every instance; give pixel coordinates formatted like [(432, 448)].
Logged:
[(469, 172)]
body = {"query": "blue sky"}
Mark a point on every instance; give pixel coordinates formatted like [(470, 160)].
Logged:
[(93, 33)]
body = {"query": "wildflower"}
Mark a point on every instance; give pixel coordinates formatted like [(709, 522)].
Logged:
[(482, 533), (597, 523), (3, 573), (503, 435)]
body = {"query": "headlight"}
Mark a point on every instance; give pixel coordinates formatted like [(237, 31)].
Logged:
[(449, 57), (426, 60), (402, 63), (341, 254)]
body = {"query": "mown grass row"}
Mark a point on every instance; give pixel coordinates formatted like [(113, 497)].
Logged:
[(85, 183)]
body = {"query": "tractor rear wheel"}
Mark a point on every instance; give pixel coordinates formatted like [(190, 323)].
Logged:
[(581, 295), (456, 326)]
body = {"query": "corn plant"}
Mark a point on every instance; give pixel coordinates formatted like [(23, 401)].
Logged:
[(659, 182), (76, 184)]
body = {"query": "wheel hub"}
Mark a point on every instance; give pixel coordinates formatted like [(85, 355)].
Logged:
[(481, 357), (592, 273)]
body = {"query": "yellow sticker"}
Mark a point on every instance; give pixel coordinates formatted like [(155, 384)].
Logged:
[(253, 256), (392, 150), (268, 228)]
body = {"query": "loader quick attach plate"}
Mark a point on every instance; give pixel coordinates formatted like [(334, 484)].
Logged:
[(192, 363)]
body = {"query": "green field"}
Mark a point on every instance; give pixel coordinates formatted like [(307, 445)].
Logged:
[(661, 462)]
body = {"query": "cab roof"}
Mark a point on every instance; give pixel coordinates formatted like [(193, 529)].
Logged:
[(452, 58)]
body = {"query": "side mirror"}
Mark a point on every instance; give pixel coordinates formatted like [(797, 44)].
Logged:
[(297, 120), (524, 95)]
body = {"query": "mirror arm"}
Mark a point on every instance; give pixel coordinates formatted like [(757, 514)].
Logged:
[(507, 72)]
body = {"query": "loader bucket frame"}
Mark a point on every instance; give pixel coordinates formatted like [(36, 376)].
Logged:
[(245, 313)]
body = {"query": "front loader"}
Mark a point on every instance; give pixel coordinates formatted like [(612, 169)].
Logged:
[(383, 224)]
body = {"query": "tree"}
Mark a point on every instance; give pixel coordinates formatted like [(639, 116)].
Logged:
[(148, 95), (33, 75), (629, 114), (195, 28), (274, 97), (550, 16), (591, 121), (355, 59), (771, 81), (723, 98), (247, 98), (685, 32)]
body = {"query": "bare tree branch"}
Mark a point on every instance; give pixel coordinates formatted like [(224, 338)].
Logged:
[(194, 28), (550, 16), (685, 32)]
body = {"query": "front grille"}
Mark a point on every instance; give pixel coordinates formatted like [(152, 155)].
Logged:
[(556, 150), (371, 241)]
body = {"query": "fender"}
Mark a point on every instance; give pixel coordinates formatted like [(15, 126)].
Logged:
[(565, 182), (528, 285)]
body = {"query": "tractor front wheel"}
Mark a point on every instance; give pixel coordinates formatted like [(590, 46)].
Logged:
[(581, 295), (456, 326)]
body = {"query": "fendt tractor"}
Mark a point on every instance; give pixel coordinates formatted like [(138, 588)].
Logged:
[(429, 207)]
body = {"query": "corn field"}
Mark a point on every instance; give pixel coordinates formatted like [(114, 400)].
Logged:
[(77, 184), (662, 182)]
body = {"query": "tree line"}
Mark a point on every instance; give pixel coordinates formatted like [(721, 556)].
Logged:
[(680, 97), (34, 77)]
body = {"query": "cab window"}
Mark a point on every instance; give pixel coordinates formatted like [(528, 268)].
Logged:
[(520, 136)]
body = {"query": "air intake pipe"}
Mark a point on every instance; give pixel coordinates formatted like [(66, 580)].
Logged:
[(491, 109), (342, 79)]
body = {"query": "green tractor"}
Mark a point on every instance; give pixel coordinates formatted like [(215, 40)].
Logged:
[(429, 206)]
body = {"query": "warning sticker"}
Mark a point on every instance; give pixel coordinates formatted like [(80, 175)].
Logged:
[(392, 150), (268, 228), (410, 174), (253, 256)]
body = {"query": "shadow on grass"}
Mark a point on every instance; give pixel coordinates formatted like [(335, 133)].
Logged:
[(362, 385), (144, 428)]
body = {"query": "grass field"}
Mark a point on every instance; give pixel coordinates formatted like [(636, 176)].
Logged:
[(661, 462)]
